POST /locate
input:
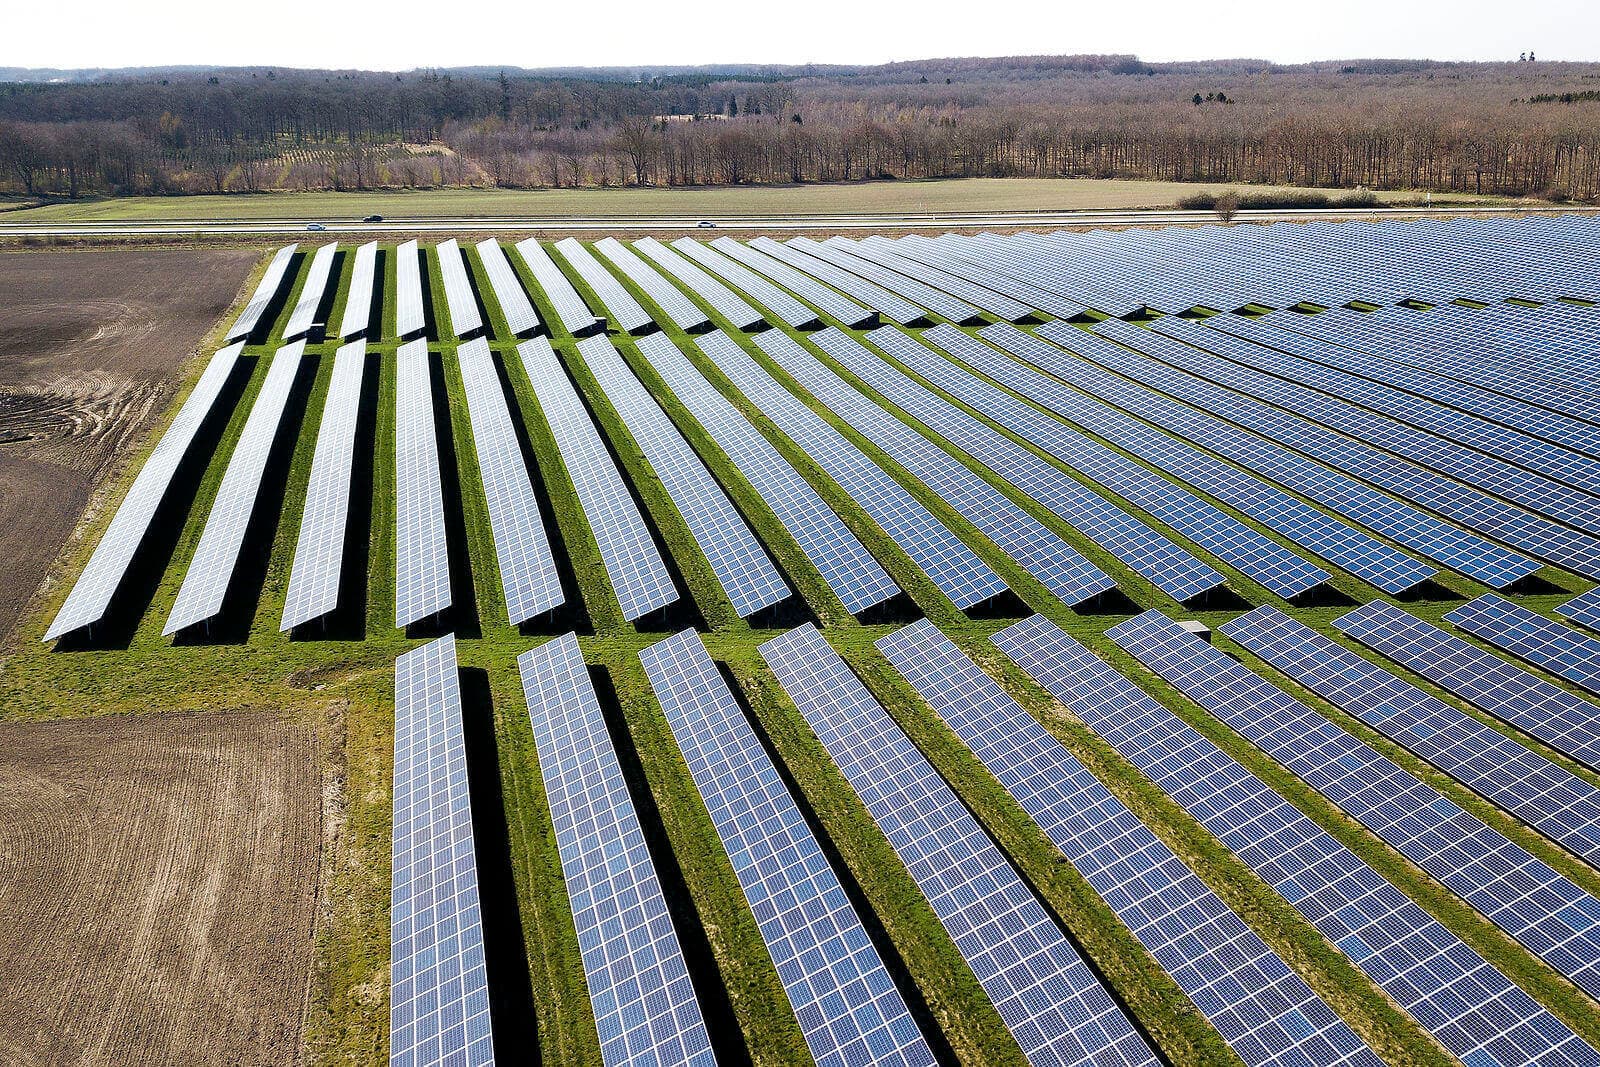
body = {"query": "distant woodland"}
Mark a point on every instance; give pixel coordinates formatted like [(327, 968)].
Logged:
[(1517, 128)]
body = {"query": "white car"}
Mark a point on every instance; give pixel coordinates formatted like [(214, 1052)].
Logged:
[(316, 226)]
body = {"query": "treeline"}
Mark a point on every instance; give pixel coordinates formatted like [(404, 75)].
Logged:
[(1514, 128)]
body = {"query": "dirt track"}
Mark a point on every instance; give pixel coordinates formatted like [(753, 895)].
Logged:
[(90, 343), (158, 878)]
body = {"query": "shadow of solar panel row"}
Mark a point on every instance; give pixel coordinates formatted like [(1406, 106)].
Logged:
[(1310, 476), (410, 316), (357, 317), (1106, 408), (1447, 987), (918, 293), (1583, 610), (1549, 915), (830, 302), (872, 295), (1563, 652), (775, 299), (839, 556), (1382, 439), (1257, 556), (1558, 803), (1056, 564), (682, 312), (1047, 996), (719, 297), (422, 557), (438, 984), (1262, 1009), (639, 986), (319, 552), (302, 318), (460, 300), (882, 251), (929, 251), (938, 553), (633, 563), (266, 290), (845, 1001), (620, 306), (91, 594), (1560, 719), (1168, 567), (571, 312), (515, 306), (205, 583), (737, 559)]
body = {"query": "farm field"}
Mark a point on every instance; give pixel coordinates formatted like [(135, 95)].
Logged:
[(321, 763)]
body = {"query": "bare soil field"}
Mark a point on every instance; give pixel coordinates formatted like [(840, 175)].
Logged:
[(158, 880), (90, 347)]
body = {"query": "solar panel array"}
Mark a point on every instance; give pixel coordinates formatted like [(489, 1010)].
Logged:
[(92, 593), (829, 301), (508, 292), (527, 567), (357, 318), (410, 316), (319, 553), (740, 564), (1531, 902), (621, 308), (312, 291), (839, 556), (265, 291), (634, 566), (1562, 651), (1266, 1013), (775, 299), (882, 251), (845, 1001), (438, 983), (460, 298), (682, 312), (1464, 1002), (1583, 610), (570, 310), (718, 297), (1047, 996), (639, 985), (870, 294), (422, 555), (918, 293), (205, 584)]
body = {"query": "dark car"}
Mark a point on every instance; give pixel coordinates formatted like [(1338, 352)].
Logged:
[(373, 218)]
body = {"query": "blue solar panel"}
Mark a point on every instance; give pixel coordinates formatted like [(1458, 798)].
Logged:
[(1563, 652), (1448, 988), (639, 985), (1265, 1012), (774, 298), (719, 297), (1048, 997), (819, 296), (844, 999), (1548, 914), (438, 986), (1583, 610), (422, 556), (867, 292)]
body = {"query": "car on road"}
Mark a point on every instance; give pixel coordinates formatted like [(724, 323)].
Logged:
[(316, 226), (373, 218), (705, 225)]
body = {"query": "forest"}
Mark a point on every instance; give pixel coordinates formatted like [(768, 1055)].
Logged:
[(1516, 128)]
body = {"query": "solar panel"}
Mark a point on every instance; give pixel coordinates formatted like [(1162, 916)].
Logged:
[(302, 317), (639, 985), (679, 309), (723, 301), (1583, 610), (1054, 563), (819, 296), (438, 984), (940, 554), (839, 556), (319, 553), (358, 296), (883, 251), (737, 559), (1449, 989), (570, 310), (1048, 997), (1549, 915), (1560, 719), (1563, 652), (872, 295), (409, 316), (846, 1003), (508, 292), (205, 584), (108, 565), (459, 297), (918, 293), (620, 306), (527, 568), (788, 310), (266, 289), (1559, 804), (633, 563), (1265, 1012), (422, 556)]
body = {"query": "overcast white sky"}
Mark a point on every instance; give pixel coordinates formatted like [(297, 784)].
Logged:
[(406, 34)]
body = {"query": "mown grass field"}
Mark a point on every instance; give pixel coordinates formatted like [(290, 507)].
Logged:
[(344, 687), (856, 198)]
